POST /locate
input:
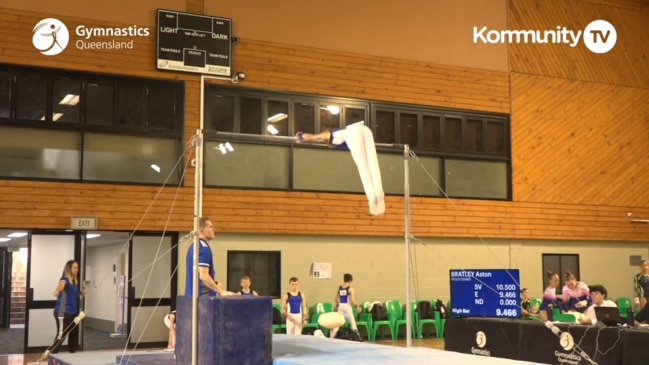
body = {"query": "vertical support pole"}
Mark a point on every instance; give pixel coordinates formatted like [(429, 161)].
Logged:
[(198, 209), (198, 213), (406, 198)]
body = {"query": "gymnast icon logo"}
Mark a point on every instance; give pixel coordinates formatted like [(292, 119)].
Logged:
[(566, 341), (50, 37), (481, 339)]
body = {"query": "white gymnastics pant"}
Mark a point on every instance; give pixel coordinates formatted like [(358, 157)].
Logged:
[(345, 308), (294, 323), (360, 142)]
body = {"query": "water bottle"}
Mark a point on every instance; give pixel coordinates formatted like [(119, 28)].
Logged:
[(629, 316), (550, 312)]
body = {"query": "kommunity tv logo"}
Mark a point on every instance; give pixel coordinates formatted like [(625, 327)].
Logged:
[(599, 36)]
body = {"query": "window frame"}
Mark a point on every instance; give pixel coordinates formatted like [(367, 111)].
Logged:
[(562, 267), (275, 285), (142, 129), (481, 154)]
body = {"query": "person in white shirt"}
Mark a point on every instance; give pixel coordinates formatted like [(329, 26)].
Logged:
[(598, 293)]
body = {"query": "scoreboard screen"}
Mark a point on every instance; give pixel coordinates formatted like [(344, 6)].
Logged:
[(485, 293), (194, 43)]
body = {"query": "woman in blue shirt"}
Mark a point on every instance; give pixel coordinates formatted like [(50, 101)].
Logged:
[(67, 294)]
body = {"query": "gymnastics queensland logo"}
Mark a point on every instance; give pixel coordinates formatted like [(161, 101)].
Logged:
[(50, 36), (599, 36), (481, 341)]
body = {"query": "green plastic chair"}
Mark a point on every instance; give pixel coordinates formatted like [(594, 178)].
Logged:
[(440, 322), (623, 303), (535, 302), (321, 308), (395, 315), (311, 323), (366, 316), (362, 321), (279, 326), (563, 317), (379, 325), (421, 322)]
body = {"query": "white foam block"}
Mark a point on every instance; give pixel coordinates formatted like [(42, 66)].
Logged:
[(331, 320)]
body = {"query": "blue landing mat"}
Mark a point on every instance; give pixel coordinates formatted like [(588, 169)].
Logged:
[(147, 359), (311, 350), (301, 350)]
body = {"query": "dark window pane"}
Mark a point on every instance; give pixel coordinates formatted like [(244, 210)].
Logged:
[(473, 136), (495, 139), (408, 129), (124, 158), (99, 104), (558, 264), (329, 116), (277, 120), (353, 115), (130, 105), (31, 93), (452, 134), (65, 100), (431, 137), (304, 117), (220, 113), (249, 165), (476, 179), (39, 153), (262, 267), (384, 127), (5, 94), (251, 116), (162, 111)]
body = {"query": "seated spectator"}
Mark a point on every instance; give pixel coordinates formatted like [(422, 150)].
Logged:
[(550, 300), (527, 310), (576, 295), (598, 294), (643, 316)]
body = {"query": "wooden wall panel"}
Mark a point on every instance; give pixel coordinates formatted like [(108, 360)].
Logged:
[(625, 64), (590, 212), (579, 143), (308, 70)]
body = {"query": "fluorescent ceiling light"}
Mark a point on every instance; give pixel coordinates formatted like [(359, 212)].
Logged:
[(92, 235), (55, 116), (5, 239), (18, 234), (69, 99), (225, 147), (155, 168), (333, 109), (271, 129), (277, 117)]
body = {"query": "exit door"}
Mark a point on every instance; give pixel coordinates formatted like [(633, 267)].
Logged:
[(48, 252)]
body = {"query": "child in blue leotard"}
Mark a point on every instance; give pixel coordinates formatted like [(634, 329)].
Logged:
[(294, 308)]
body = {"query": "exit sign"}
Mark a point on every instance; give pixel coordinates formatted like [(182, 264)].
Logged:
[(84, 223)]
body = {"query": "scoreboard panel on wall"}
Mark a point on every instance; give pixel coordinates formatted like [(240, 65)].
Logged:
[(485, 293), (194, 43)]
